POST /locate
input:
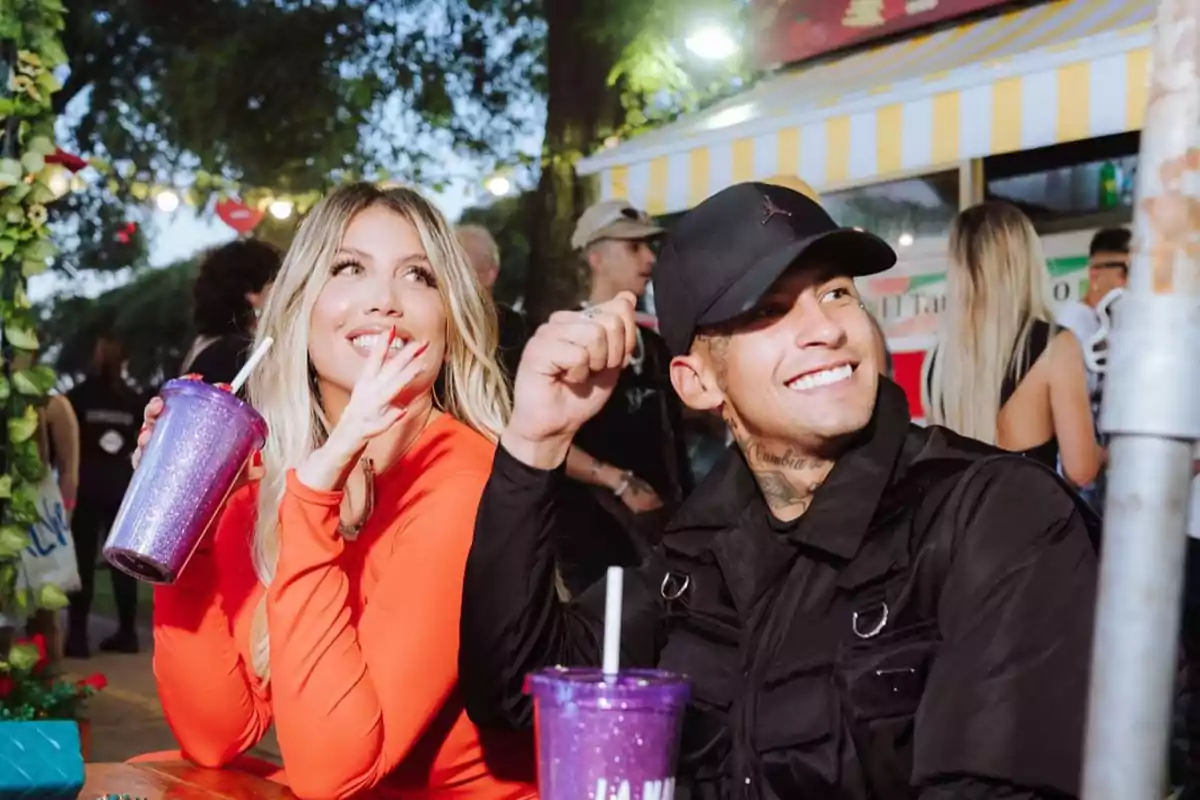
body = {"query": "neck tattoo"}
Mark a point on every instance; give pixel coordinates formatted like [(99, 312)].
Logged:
[(787, 478)]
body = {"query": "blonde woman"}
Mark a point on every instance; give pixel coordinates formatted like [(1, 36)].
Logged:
[(1001, 372), (327, 602)]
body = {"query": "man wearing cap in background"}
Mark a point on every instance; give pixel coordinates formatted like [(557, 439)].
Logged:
[(865, 608), (629, 460)]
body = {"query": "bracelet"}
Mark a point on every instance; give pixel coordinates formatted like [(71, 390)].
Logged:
[(623, 486)]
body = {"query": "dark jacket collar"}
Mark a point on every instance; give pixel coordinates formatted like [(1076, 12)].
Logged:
[(842, 507)]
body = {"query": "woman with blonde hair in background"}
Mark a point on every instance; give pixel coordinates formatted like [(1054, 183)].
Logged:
[(1001, 372), (327, 602)]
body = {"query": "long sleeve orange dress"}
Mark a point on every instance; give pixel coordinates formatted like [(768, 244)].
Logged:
[(363, 636)]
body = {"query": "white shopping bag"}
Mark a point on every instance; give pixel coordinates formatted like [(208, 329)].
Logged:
[(50, 556)]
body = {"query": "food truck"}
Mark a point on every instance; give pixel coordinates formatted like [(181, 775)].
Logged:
[(901, 114)]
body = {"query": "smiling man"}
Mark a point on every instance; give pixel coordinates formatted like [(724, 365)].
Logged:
[(866, 608)]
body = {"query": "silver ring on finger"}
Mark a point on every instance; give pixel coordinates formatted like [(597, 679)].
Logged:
[(591, 312)]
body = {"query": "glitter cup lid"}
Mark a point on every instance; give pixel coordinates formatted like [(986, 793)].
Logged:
[(631, 689), (200, 390)]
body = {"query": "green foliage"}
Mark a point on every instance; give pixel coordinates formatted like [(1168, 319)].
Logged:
[(29, 53), (151, 315), (31, 690)]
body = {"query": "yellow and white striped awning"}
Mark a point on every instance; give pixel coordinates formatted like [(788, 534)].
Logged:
[(1058, 72)]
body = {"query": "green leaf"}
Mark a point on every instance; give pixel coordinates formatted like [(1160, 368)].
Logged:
[(48, 83), (6, 106), (20, 337), (41, 378), (26, 383), (5, 487), (22, 428), (5, 389), (41, 193), (52, 52), (33, 162), (51, 598), (13, 539), (11, 167), (7, 247), (41, 145), (31, 268), (40, 250), (23, 657), (18, 193)]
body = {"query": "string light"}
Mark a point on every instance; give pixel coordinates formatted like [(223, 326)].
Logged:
[(281, 209), (167, 201), (498, 185)]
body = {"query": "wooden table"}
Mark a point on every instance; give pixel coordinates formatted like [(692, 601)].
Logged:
[(177, 781)]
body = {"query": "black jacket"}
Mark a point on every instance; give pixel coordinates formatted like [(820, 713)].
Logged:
[(923, 631)]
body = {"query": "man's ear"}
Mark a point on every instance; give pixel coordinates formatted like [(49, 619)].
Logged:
[(696, 383)]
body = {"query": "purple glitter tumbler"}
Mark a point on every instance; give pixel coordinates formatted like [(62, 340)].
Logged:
[(599, 739), (200, 444)]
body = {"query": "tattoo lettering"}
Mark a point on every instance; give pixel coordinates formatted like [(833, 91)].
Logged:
[(756, 453)]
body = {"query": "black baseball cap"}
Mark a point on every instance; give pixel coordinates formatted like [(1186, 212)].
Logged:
[(724, 254)]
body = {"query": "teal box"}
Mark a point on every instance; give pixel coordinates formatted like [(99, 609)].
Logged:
[(40, 760)]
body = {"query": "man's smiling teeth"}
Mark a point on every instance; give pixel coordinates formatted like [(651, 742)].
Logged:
[(825, 377), (368, 341)]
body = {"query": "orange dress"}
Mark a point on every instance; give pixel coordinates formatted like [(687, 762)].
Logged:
[(363, 634)]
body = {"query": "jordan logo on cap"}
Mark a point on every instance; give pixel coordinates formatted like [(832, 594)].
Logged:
[(771, 210)]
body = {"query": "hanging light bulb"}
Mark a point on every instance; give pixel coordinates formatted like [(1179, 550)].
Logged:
[(167, 201), (281, 209)]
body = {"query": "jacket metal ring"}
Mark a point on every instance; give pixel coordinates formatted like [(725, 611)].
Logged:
[(880, 623), (668, 591)]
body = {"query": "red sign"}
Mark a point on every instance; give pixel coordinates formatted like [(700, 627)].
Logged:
[(795, 30)]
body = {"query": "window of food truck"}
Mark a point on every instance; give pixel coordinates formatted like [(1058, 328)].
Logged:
[(900, 211), (1075, 186)]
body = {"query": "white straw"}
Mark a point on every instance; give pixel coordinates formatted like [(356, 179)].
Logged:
[(612, 621), (244, 374)]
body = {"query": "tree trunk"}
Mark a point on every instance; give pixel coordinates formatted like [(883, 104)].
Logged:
[(581, 110)]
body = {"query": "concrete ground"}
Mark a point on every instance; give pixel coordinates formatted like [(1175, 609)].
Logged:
[(126, 718)]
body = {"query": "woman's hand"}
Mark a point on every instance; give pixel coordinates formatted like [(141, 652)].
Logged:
[(253, 469), (378, 401)]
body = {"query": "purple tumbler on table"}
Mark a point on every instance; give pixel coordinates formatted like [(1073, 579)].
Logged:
[(200, 444), (602, 737)]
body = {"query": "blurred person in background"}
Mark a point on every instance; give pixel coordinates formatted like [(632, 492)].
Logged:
[(629, 462), (109, 413), (58, 446), (484, 253), (1108, 269), (228, 296), (1001, 371)]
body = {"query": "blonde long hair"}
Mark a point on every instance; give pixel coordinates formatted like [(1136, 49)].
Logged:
[(996, 290), (476, 392)]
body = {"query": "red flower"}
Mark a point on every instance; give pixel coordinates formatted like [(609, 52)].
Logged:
[(94, 682), (68, 160), (39, 643), (7, 684)]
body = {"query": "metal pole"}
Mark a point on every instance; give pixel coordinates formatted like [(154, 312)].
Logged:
[(1152, 411)]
